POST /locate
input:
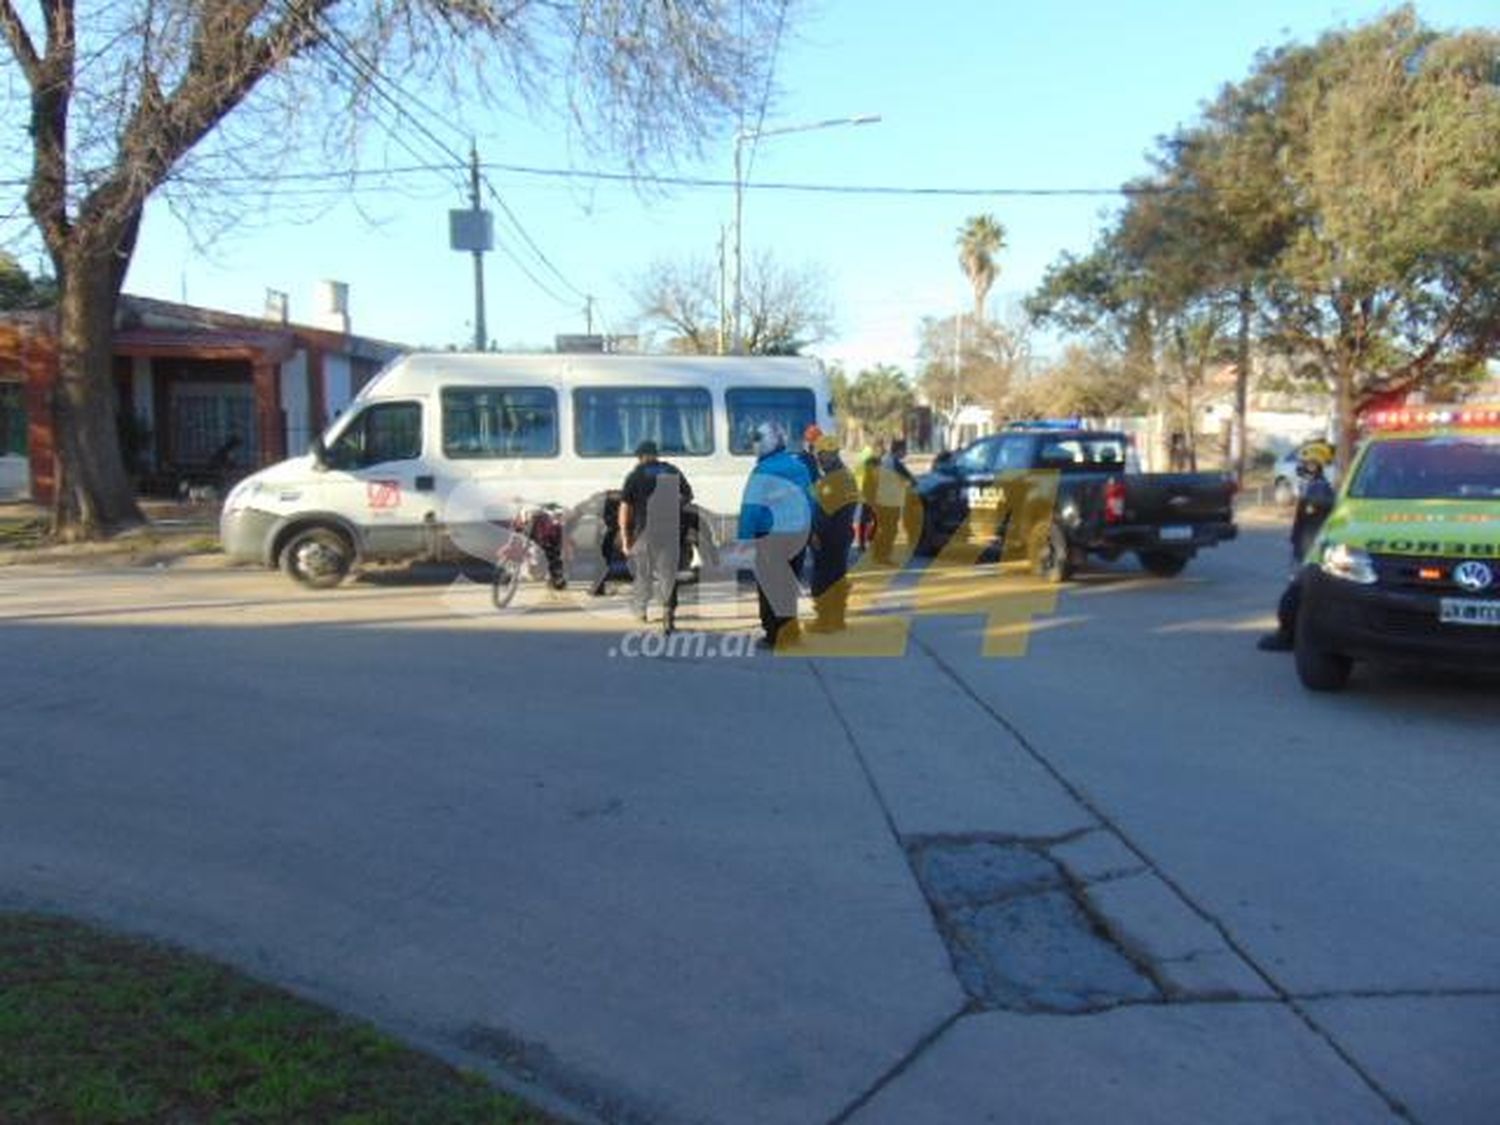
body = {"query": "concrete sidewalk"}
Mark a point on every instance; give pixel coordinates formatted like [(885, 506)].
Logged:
[(737, 890)]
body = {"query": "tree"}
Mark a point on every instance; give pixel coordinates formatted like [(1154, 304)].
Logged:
[(18, 290), (964, 361), (136, 94), (1089, 381), (1343, 201), (979, 240), (873, 405), (1387, 141), (785, 308)]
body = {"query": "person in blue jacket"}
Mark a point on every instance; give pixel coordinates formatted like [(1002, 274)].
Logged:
[(776, 516)]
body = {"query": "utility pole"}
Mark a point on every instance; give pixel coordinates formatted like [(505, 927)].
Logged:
[(739, 220), (481, 337), (958, 372), (588, 312), (723, 292)]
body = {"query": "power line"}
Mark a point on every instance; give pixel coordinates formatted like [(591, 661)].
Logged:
[(1126, 190), (765, 96), (367, 70), (535, 249)]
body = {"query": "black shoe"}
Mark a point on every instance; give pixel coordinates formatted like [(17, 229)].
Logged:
[(1275, 642)]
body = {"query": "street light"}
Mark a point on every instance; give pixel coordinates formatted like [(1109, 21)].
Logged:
[(739, 195)]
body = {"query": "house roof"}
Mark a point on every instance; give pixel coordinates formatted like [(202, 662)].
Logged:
[(137, 313), (218, 343)]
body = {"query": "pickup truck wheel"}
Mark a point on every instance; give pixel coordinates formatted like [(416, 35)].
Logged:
[(318, 557), (1048, 553), (1163, 564), (1317, 668)]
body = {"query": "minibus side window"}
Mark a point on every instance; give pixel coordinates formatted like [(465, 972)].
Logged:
[(386, 431), (792, 408), (482, 422), (612, 421)]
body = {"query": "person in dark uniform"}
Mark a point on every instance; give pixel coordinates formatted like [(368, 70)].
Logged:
[(650, 527), (1312, 508), (835, 499)]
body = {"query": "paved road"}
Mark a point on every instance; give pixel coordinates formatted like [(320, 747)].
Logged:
[(1137, 870)]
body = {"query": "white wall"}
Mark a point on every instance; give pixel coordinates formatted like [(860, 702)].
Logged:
[(15, 478)]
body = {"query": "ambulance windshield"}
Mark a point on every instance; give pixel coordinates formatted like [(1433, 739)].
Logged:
[(1456, 467)]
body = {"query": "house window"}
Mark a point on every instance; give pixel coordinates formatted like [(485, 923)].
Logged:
[(208, 418)]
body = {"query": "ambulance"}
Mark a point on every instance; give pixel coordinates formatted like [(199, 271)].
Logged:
[(439, 447), (1407, 564)]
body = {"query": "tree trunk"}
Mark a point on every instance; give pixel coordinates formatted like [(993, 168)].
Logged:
[(1344, 410), (1242, 386), (94, 494)]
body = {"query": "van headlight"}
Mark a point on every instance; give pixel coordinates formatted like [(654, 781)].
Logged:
[(1348, 563)]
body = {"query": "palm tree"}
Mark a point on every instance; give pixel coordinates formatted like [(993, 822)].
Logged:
[(979, 240)]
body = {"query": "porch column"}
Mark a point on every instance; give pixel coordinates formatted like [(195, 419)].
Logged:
[(269, 419)]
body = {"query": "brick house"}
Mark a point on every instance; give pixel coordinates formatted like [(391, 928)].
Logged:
[(196, 388)]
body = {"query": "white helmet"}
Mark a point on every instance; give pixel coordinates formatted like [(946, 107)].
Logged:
[(769, 437)]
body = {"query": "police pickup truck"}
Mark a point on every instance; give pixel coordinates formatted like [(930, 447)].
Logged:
[(1056, 494), (1407, 563)]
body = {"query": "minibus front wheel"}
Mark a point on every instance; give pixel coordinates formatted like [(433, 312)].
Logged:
[(318, 557)]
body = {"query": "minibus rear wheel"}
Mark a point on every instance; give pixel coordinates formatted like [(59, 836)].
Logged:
[(319, 557)]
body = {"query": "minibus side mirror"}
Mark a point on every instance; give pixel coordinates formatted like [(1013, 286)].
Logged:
[(319, 453)]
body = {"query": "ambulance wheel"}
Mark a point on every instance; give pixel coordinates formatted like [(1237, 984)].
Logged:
[(318, 557), (1317, 668)]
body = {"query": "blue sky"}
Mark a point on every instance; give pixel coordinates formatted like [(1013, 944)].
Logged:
[(986, 95)]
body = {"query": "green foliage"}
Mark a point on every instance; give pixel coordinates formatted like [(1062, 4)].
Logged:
[(979, 240), (19, 290), (873, 405), (1346, 194), (1088, 381), (972, 361), (1388, 141)]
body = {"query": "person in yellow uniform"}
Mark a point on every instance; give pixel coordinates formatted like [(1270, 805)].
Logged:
[(835, 498)]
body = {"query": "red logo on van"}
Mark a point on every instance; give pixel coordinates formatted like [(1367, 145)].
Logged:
[(383, 493)]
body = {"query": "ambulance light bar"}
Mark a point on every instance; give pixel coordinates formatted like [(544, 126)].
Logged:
[(1429, 417)]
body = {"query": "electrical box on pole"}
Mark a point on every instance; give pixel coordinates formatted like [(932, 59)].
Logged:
[(473, 230)]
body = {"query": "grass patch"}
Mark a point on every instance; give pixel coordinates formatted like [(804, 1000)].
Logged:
[(22, 533), (97, 1028)]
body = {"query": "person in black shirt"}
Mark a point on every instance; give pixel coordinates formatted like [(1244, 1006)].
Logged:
[(650, 527)]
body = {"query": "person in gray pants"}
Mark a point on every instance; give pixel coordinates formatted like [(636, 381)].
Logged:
[(650, 525)]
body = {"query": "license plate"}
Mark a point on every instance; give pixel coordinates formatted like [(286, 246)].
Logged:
[(1466, 611), (1174, 534)]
